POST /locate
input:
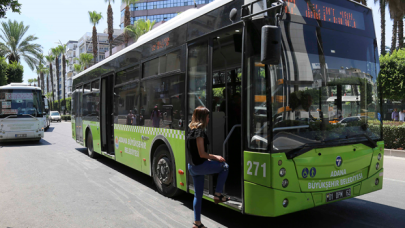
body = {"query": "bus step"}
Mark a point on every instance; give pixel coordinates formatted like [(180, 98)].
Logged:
[(108, 155)]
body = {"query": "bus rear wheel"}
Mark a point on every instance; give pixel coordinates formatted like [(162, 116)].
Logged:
[(90, 150), (163, 172)]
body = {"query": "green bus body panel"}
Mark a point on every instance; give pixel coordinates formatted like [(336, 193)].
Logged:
[(378, 150), (263, 201), (95, 133), (290, 175), (369, 185), (73, 128), (257, 168), (133, 151)]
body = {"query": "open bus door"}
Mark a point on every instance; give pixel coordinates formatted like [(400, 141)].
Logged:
[(107, 115)]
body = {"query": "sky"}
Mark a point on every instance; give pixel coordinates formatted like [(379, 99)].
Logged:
[(55, 20)]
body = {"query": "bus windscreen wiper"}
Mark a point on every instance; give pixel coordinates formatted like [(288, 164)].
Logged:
[(373, 143)]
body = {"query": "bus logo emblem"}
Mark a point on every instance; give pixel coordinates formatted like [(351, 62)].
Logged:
[(338, 161), (116, 142), (305, 173)]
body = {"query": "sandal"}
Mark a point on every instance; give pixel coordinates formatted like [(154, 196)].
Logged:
[(198, 226), (219, 200)]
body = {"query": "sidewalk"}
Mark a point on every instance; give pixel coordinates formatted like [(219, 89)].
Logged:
[(395, 153)]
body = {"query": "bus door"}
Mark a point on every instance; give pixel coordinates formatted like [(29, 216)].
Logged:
[(197, 67), (78, 117), (107, 115), (225, 106)]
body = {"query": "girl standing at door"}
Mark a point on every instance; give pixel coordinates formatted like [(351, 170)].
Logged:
[(203, 163)]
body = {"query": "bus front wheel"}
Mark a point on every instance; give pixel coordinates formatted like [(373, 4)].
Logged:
[(89, 144), (163, 172)]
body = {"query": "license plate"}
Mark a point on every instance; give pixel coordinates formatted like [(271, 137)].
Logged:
[(20, 135), (338, 195)]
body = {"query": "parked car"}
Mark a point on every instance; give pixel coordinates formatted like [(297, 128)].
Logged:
[(55, 116)]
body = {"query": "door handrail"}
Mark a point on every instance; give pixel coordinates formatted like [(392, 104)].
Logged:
[(228, 136)]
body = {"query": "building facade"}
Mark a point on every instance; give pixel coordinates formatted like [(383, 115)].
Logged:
[(159, 10)]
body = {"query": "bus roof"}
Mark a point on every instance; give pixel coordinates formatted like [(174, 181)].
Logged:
[(19, 86), (171, 24)]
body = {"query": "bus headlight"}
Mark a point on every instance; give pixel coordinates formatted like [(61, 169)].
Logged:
[(377, 166), (282, 172), (285, 202), (284, 183), (377, 181), (379, 156)]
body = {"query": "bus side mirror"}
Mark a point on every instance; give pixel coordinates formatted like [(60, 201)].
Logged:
[(270, 52)]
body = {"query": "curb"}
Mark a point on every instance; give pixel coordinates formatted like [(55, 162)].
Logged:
[(394, 153)]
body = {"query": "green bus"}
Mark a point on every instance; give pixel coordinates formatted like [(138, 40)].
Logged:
[(266, 70)]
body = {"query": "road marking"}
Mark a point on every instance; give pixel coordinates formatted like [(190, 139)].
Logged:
[(394, 180)]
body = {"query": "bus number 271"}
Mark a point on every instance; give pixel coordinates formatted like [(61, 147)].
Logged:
[(256, 164)]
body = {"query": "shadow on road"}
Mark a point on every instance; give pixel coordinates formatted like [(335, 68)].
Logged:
[(42, 142), (50, 129), (349, 213)]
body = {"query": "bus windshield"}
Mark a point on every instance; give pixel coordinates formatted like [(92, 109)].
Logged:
[(324, 92), (21, 102)]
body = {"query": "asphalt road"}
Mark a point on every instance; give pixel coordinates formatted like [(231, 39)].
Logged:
[(55, 184)]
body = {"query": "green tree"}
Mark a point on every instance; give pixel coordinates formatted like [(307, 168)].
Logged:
[(110, 20), (127, 17), (49, 95), (35, 81), (15, 46), (397, 12), (15, 72), (392, 75), (42, 70), (3, 71), (383, 4), (30, 81), (9, 4), (95, 19)]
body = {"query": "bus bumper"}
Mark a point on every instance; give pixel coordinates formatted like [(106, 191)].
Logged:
[(30, 135), (268, 202)]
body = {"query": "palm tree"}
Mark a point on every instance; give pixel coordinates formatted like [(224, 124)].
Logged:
[(15, 46), (35, 81), (95, 19), (127, 17), (110, 21), (30, 81), (62, 49), (78, 68), (41, 70), (49, 95), (383, 4), (364, 2), (56, 51), (139, 28), (84, 61), (50, 58), (397, 12)]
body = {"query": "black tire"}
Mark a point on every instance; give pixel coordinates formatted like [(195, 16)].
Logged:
[(89, 144), (165, 182)]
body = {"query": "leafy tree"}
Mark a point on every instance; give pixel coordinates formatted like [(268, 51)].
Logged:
[(9, 4), (30, 81), (397, 12), (110, 20), (41, 70), (15, 46), (392, 75), (383, 4), (15, 72), (49, 95), (95, 19), (35, 81), (3, 71)]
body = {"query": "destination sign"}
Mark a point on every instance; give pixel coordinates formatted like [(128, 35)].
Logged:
[(322, 11), (161, 44)]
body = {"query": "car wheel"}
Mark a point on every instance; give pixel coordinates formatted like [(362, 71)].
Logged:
[(164, 173), (90, 149)]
